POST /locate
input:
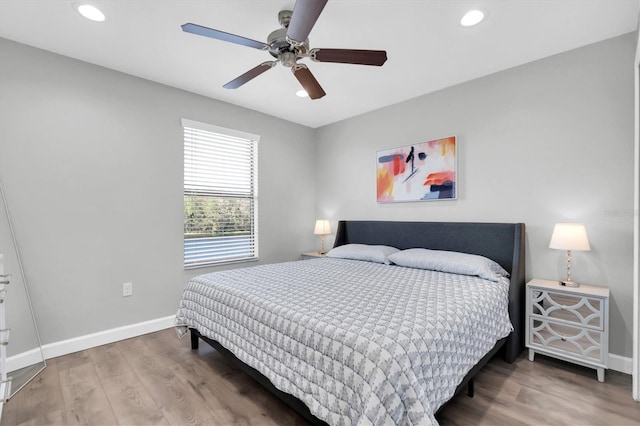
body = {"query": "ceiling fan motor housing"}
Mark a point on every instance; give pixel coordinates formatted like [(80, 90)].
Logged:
[(278, 44)]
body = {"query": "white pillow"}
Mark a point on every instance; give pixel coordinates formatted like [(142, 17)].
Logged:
[(369, 253), (449, 261)]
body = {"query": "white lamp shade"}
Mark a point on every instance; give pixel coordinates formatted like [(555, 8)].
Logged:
[(569, 236), (322, 227)]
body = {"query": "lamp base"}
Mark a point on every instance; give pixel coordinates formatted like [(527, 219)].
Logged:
[(569, 283)]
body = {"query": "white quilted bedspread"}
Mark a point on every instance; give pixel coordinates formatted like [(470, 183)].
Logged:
[(358, 342)]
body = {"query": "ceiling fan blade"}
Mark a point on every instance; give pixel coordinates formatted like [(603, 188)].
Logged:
[(221, 35), (250, 75), (304, 16), (349, 56), (308, 81)]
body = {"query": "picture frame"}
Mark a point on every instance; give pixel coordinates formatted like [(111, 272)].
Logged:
[(423, 171)]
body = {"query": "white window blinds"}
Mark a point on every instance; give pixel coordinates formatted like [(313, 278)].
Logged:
[(220, 195)]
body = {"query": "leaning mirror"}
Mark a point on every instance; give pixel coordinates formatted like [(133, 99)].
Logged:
[(21, 357)]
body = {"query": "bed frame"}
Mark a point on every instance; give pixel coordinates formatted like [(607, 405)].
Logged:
[(501, 242)]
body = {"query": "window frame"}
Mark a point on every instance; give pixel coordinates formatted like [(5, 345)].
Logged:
[(252, 141)]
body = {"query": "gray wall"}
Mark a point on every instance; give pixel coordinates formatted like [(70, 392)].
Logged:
[(550, 141), (91, 162)]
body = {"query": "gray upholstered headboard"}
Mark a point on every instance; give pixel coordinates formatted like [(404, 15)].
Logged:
[(501, 242)]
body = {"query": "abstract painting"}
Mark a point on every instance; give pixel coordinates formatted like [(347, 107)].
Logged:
[(420, 172)]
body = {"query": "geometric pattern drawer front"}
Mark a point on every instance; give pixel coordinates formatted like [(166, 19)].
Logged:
[(559, 337), (581, 310)]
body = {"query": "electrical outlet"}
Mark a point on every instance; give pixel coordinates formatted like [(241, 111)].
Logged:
[(127, 289)]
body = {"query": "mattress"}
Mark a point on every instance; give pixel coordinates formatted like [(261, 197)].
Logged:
[(357, 342)]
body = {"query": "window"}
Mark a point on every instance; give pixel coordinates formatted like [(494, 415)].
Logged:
[(220, 195)]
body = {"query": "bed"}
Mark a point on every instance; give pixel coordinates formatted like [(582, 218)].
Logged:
[(359, 351)]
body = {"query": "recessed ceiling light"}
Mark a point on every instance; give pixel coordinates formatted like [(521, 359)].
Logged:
[(472, 17), (302, 93), (91, 12)]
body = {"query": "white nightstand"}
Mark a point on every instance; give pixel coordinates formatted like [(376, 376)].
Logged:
[(568, 323), (312, 255)]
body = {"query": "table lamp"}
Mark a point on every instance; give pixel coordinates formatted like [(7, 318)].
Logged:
[(569, 236), (322, 228)]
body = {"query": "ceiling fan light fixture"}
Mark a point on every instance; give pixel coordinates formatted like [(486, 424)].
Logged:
[(302, 93), (472, 17), (91, 12)]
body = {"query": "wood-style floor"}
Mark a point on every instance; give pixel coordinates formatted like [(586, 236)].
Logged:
[(158, 379)]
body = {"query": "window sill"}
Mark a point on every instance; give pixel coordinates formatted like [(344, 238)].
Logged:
[(218, 263)]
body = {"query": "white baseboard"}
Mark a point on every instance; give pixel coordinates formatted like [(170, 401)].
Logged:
[(620, 363), (64, 347)]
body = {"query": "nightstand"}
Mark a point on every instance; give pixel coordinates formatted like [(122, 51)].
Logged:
[(568, 323), (312, 255)]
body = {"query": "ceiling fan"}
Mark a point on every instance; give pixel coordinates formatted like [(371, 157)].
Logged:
[(289, 44)]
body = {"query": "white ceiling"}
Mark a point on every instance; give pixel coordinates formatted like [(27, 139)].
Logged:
[(428, 50)]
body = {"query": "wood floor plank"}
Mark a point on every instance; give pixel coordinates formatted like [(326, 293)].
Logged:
[(45, 394), (172, 348), (57, 417), (236, 404), (84, 397), (142, 359), (131, 402), (73, 360), (482, 410), (547, 393), (180, 404), (222, 377), (108, 361), (567, 384), (224, 413), (575, 412)]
